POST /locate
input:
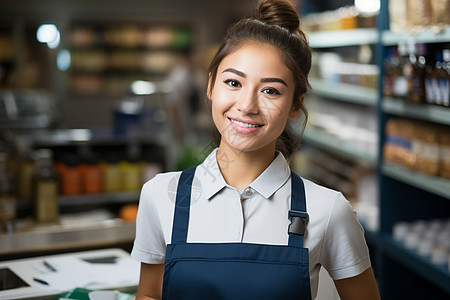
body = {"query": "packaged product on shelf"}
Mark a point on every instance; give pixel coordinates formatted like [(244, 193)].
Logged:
[(402, 69), (45, 188), (416, 79), (426, 149), (418, 14), (444, 139), (81, 37), (91, 175), (25, 167), (398, 145), (112, 177), (440, 16), (130, 169), (70, 174), (428, 238), (397, 15), (8, 201)]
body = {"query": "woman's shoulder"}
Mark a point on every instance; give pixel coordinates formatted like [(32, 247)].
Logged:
[(317, 191)]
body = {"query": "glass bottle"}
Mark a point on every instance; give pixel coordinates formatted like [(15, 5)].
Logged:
[(130, 169), (400, 89), (45, 188), (8, 203), (416, 79), (70, 175), (91, 175), (445, 83), (25, 167), (112, 179)]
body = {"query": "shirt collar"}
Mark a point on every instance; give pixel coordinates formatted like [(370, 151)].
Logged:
[(273, 178)]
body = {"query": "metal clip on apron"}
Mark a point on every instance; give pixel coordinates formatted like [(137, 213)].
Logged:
[(216, 271)]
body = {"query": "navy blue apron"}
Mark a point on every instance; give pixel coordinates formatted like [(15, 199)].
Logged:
[(215, 271)]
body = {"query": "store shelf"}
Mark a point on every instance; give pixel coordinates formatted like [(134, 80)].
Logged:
[(345, 92), (341, 38), (436, 185), (427, 36), (58, 237), (99, 199), (432, 113), (440, 276), (344, 148)]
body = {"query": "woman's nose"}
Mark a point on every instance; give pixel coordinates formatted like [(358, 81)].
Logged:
[(248, 103)]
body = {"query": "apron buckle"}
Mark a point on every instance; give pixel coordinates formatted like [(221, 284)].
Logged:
[(299, 220)]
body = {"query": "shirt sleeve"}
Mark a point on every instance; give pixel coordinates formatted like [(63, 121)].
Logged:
[(344, 253), (149, 244)]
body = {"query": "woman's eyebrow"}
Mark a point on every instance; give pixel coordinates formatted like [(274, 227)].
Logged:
[(274, 80), (232, 70), (242, 74)]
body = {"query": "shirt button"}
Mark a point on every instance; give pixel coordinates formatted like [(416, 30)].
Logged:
[(248, 191)]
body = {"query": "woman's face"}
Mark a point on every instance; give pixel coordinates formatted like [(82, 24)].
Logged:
[(252, 98)]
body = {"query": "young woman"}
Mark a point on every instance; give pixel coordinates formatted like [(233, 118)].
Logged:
[(241, 225)]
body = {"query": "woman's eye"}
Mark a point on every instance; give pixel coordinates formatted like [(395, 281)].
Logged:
[(271, 91), (233, 83)]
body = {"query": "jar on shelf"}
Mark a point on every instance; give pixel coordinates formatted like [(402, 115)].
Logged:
[(45, 188), (91, 175)]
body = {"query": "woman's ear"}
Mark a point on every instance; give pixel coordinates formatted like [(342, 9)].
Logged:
[(296, 109), (208, 89)]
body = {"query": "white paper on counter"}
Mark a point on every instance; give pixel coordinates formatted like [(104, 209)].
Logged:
[(74, 272)]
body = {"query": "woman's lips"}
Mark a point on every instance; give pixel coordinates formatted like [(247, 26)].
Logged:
[(245, 126)]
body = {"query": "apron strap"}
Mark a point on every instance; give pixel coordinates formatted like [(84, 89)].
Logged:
[(298, 215), (182, 206)]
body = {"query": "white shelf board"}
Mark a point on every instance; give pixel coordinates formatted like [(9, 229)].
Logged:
[(341, 38), (390, 38), (344, 148), (427, 112), (345, 92), (435, 185)]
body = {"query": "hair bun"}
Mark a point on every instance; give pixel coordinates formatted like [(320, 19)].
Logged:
[(279, 12)]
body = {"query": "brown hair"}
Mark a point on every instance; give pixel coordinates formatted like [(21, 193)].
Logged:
[(276, 22)]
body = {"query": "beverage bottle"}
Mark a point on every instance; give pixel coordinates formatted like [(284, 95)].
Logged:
[(130, 169), (70, 175), (91, 175), (445, 79), (25, 167), (416, 79), (45, 188), (402, 70), (8, 201), (112, 177)]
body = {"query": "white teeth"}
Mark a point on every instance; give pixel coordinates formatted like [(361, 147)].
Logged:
[(244, 124)]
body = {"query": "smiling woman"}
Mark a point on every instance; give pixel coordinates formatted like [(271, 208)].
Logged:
[(253, 229)]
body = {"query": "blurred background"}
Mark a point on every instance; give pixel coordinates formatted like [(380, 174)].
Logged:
[(96, 97)]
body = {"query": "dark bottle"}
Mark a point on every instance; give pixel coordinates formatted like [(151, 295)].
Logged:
[(389, 72), (445, 83), (416, 79), (8, 203), (45, 188), (402, 70)]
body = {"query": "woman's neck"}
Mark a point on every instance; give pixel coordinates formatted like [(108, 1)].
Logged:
[(240, 168)]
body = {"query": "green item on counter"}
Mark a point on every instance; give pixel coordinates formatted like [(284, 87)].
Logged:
[(83, 294)]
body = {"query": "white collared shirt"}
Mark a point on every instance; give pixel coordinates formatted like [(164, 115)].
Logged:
[(256, 214)]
